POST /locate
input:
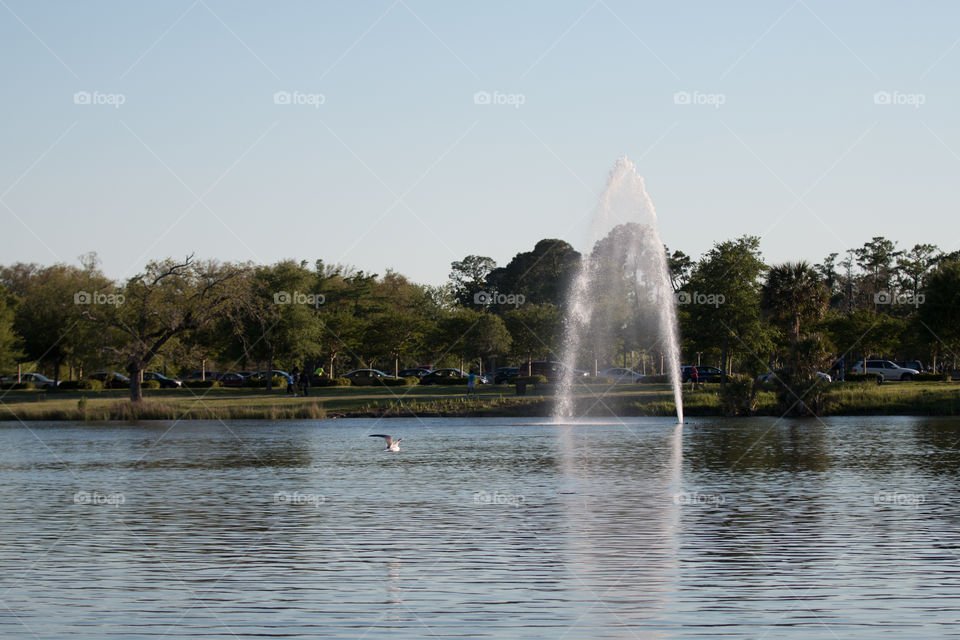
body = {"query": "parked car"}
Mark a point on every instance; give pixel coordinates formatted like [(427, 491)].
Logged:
[(414, 372), (200, 375), (505, 375), (705, 373), (443, 376), (165, 382), (366, 377), (885, 368), (232, 379), (260, 375), (111, 379), (909, 364), (40, 381), (621, 375), (553, 371)]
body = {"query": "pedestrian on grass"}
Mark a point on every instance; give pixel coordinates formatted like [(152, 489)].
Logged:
[(694, 378), (304, 382), (291, 381), (471, 384)]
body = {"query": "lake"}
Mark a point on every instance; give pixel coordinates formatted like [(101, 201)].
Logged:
[(512, 528)]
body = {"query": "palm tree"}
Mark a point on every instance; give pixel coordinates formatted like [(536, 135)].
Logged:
[(793, 295)]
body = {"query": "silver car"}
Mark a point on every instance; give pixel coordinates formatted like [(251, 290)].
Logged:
[(887, 369)]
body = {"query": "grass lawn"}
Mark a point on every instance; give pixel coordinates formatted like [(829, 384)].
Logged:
[(910, 398)]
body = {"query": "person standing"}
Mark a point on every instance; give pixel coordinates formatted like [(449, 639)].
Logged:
[(471, 384), (291, 381), (694, 378), (304, 382)]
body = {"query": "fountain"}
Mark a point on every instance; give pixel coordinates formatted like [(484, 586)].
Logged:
[(621, 300)]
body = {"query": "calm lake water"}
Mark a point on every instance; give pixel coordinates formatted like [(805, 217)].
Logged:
[(846, 528)]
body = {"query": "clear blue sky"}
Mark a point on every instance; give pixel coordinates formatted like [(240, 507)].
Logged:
[(399, 167)]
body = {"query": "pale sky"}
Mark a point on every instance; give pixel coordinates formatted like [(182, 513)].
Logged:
[(153, 129)]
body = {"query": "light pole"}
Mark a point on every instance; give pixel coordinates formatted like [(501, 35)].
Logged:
[(698, 357)]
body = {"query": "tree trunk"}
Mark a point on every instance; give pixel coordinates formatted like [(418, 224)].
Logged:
[(396, 367), (136, 387), (330, 373), (723, 360), (270, 373)]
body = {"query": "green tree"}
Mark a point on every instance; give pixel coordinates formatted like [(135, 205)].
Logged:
[(940, 311), (542, 276), (10, 352), (877, 258), (535, 330), (914, 265), (168, 299), (794, 295), (721, 307), (468, 277)]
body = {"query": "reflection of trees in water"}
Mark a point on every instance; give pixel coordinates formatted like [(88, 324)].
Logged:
[(752, 445)]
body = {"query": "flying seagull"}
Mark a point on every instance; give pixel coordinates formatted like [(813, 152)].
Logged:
[(392, 445)]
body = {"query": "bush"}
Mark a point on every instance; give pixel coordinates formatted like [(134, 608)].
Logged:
[(655, 380), (201, 384), (594, 380), (338, 382), (21, 386), (535, 379), (409, 381), (150, 384), (738, 397), (861, 377), (932, 377)]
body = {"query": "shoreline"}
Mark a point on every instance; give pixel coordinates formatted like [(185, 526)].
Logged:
[(655, 400)]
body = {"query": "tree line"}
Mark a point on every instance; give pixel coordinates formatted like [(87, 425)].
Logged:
[(734, 310)]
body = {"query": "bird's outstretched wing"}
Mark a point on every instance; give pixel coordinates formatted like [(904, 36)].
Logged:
[(388, 439)]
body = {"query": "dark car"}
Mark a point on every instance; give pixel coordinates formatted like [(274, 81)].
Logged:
[(367, 377), (260, 375), (909, 364), (40, 381), (704, 373), (553, 371), (443, 376), (414, 372), (111, 379), (505, 375), (232, 379), (200, 375), (165, 382)]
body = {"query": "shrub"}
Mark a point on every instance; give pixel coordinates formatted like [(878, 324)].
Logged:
[(535, 379), (861, 377), (401, 382), (932, 377), (739, 397), (594, 380), (664, 379), (150, 384), (84, 384), (201, 384), (22, 386), (338, 382)]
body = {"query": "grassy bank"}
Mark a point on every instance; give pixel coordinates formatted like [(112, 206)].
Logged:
[(910, 398)]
